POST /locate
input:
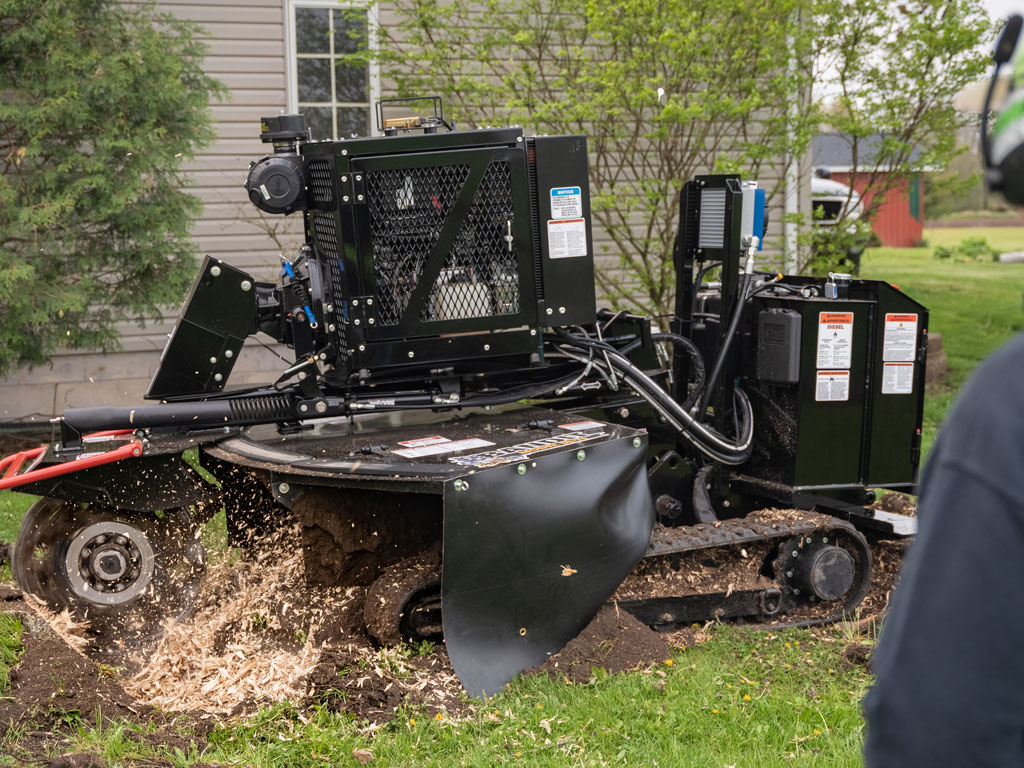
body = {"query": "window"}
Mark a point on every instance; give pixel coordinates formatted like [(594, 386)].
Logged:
[(335, 98)]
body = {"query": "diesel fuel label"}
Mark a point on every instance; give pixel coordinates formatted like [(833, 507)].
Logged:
[(835, 339), (899, 345), (566, 203)]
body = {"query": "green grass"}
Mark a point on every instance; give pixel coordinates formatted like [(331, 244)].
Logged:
[(743, 698), (1000, 238), (10, 648), (975, 306)]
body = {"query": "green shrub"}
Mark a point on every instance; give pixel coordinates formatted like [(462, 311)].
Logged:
[(971, 249)]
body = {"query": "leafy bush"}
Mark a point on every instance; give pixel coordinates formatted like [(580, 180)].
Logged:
[(100, 105), (971, 249)]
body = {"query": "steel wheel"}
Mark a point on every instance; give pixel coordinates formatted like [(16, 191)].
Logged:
[(124, 573)]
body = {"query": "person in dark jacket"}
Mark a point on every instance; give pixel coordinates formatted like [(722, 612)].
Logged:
[(950, 659)]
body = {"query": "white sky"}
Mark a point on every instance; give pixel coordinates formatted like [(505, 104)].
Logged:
[(1000, 9)]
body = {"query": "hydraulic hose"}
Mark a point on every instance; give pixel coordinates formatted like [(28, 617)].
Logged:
[(696, 360)]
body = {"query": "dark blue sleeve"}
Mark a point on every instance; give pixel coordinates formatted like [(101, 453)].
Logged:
[(950, 660)]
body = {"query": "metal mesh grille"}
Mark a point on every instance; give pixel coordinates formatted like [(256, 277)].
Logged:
[(479, 277), (712, 218), (320, 184), (326, 230), (407, 209)]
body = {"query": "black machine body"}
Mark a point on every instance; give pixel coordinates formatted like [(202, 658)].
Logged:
[(447, 277)]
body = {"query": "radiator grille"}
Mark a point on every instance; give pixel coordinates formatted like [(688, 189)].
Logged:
[(407, 209), (320, 182), (479, 277), (712, 219)]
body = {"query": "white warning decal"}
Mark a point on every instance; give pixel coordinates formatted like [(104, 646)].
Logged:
[(897, 378), (835, 340), (437, 448), (577, 426), (566, 203), (832, 386), (900, 341), (524, 451), (567, 239), (420, 441)]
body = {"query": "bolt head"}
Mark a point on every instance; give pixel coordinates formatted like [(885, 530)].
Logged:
[(329, 308), (359, 197), (623, 413), (461, 485), (344, 152), (303, 408), (246, 285), (369, 302), (321, 407), (344, 178), (411, 354), (533, 331), (331, 327), (521, 469), (561, 310), (213, 361), (215, 271), (345, 198), (359, 177), (637, 442), (228, 353), (283, 488), (362, 347), (356, 321), (355, 302), (487, 347), (551, 311), (218, 377), (370, 321), (581, 455)]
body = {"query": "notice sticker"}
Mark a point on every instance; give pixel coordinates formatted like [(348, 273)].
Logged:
[(581, 425), (567, 239), (897, 378), (566, 203), (420, 441), (835, 340), (900, 341), (832, 386), (450, 446)]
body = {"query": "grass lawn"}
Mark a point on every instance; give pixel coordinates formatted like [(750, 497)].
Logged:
[(1000, 238), (744, 698)]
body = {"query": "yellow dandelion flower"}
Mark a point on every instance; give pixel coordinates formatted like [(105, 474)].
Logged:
[(714, 711), (729, 686), (817, 732), (540, 706), (788, 645), (796, 643), (789, 666), (439, 716), (746, 697), (693, 666), (412, 721), (519, 754), (831, 671), (668, 662)]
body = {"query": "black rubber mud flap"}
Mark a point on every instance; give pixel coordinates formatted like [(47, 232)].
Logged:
[(532, 549)]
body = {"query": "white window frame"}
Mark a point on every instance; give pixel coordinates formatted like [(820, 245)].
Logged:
[(291, 69)]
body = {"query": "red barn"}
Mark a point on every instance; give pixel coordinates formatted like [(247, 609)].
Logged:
[(899, 220)]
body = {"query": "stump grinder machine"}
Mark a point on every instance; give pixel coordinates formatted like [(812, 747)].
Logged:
[(466, 434)]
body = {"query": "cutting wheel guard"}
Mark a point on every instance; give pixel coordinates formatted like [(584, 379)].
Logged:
[(533, 549)]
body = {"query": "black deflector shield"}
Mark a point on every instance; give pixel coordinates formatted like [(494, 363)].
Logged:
[(529, 558)]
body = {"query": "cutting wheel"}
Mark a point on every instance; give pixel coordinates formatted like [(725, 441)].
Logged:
[(123, 573)]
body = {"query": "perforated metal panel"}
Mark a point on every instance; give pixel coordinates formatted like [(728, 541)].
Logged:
[(408, 208), (326, 231), (321, 185), (479, 277)]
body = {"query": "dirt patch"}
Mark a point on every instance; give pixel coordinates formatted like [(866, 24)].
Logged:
[(857, 655), (23, 442), (614, 641), (372, 685)]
